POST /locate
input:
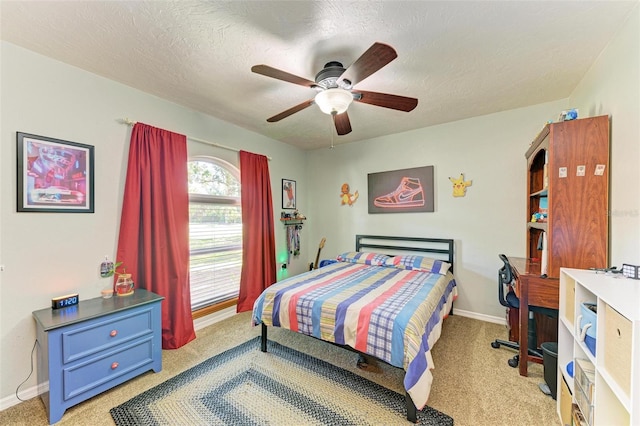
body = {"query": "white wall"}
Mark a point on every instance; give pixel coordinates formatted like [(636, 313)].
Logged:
[(50, 254), (488, 150), (612, 87)]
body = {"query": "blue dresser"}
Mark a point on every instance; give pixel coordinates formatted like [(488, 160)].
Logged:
[(88, 348)]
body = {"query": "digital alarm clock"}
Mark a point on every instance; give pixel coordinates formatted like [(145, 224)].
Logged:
[(64, 301)]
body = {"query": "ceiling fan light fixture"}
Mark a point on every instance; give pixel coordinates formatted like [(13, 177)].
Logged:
[(334, 100)]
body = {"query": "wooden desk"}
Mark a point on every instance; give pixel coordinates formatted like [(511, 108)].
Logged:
[(531, 289)]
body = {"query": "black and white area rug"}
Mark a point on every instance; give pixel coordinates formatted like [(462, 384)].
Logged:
[(244, 386)]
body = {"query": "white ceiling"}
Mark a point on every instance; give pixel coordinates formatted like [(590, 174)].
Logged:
[(459, 58)]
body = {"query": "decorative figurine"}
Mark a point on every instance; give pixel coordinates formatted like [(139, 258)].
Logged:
[(346, 197), (460, 186)]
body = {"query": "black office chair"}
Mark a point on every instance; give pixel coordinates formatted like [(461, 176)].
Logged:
[(505, 280)]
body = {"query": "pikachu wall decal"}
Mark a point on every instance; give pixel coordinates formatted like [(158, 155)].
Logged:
[(460, 185)]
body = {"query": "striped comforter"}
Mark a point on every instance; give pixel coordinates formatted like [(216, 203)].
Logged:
[(392, 314)]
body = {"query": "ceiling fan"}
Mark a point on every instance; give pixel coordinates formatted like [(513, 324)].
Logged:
[(335, 86)]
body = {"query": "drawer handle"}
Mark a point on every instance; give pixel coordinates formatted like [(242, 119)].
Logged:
[(114, 365), (113, 333), (619, 333)]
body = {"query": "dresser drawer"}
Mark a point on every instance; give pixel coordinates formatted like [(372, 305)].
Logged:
[(105, 333), (85, 376), (99, 344)]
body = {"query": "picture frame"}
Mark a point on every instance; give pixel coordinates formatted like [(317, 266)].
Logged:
[(54, 175), (288, 194), (402, 191)]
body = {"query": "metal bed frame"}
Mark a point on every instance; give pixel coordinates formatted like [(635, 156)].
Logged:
[(437, 248)]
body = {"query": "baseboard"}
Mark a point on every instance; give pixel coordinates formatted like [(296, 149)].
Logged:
[(34, 391), (208, 320), (25, 394), (231, 311), (481, 317), (214, 317)]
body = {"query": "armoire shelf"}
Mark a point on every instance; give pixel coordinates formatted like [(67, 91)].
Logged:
[(542, 193), (538, 225)]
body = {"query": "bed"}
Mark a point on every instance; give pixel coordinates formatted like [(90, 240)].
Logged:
[(387, 299)]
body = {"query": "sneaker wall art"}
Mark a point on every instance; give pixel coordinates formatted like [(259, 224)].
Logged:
[(401, 191)]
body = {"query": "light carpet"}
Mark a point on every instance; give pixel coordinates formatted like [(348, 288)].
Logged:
[(245, 386)]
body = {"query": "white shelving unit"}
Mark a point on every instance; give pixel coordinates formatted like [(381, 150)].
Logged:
[(616, 398)]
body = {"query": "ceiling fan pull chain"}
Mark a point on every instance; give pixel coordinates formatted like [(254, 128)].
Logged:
[(331, 128)]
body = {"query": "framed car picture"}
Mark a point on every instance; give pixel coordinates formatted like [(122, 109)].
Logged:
[(288, 194), (54, 175)]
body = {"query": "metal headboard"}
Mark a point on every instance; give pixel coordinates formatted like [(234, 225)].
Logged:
[(437, 248)]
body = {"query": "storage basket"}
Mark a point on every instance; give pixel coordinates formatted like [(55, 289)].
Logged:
[(588, 325), (589, 316)]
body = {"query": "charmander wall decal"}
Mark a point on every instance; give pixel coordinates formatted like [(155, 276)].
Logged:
[(346, 197)]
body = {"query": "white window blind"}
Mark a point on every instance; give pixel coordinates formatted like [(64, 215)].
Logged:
[(215, 233)]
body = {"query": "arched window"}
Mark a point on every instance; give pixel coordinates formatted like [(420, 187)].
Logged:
[(215, 231)]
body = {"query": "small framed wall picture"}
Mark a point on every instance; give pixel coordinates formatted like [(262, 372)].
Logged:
[(54, 176), (288, 194)]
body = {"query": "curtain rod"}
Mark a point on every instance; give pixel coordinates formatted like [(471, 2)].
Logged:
[(131, 123)]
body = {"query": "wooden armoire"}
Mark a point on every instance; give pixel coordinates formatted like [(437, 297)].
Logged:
[(568, 179)]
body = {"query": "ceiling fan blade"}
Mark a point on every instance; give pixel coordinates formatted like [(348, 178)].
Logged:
[(343, 125), (376, 57), (290, 111), (401, 103), (282, 75)]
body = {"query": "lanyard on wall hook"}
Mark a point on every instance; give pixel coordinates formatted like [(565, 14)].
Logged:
[(293, 241)]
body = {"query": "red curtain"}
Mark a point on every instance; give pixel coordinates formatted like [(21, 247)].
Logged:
[(153, 244), (258, 240)]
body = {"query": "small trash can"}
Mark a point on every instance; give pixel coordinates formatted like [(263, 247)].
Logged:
[(550, 364)]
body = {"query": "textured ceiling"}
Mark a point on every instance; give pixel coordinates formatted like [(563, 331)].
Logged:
[(459, 58)]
